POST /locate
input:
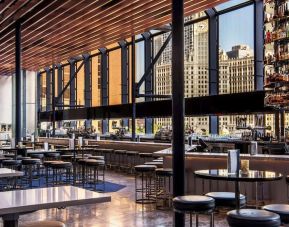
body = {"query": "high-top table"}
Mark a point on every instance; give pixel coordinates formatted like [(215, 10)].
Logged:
[(251, 176), (15, 203), (10, 173)]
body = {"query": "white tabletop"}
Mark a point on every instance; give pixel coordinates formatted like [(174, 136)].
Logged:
[(41, 151), (20, 201), (5, 172)]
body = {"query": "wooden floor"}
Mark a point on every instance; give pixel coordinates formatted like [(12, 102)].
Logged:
[(121, 212)]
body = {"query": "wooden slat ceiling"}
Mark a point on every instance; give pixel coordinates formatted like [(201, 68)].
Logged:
[(55, 30)]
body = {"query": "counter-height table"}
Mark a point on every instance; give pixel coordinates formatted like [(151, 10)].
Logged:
[(251, 176), (15, 203)]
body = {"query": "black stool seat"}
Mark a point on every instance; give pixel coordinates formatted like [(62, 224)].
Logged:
[(98, 157), (11, 162), (132, 153), (158, 160), (48, 163), (4, 158), (166, 172), (145, 168), (226, 199), (61, 165), (39, 156), (52, 155), (93, 162), (66, 156), (143, 155), (107, 150), (9, 155), (31, 161), (22, 158), (82, 161), (252, 218), (193, 203), (281, 209), (120, 151), (157, 164)]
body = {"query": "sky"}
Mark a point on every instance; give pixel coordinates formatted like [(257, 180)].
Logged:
[(237, 27)]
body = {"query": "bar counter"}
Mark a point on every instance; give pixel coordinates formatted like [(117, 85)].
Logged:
[(272, 191)]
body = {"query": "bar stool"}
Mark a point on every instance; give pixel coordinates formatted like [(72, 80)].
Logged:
[(226, 199), (80, 168), (59, 169), (281, 209), (131, 160), (146, 187), (252, 218), (66, 157), (120, 158), (107, 153), (48, 170), (96, 157), (157, 164), (39, 156), (195, 204), (163, 188), (43, 224), (11, 164), (145, 157), (31, 168), (52, 156), (2, 158), (94, 170)]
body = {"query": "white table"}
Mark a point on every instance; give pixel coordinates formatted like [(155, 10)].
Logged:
[(9, 173), (15, 203)]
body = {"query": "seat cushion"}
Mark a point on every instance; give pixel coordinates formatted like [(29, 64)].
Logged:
[(166, 172), (193, 203), (96, 157), (226, 199), (93, 162), (120, 151), (61, 165), (143, 155), (157, 164), (40, 156), (253, 218), (145, 168), (43, 224), (281, 209), (31, 161)]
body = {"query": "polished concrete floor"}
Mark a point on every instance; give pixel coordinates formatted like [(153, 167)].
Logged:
[(120, 212)]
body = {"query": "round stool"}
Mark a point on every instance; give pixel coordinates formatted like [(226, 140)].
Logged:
[(226, 199), (131, 160), (48, 169), (95, 169), (11, 164), (43, 224), (59, 169), (52, 156), (145, 157), (120, 156), (157, 164), (107, 153), (39, 156), (32, 169), (252, 218), (195, 204), (66, 157), (146, 187), (2, 158), (281, 209), (163, 188), (96, 157)]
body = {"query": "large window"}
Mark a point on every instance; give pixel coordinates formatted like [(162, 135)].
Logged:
[(236, 51)]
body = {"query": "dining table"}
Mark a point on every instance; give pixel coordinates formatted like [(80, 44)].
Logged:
[(18, 202), (249, 176)]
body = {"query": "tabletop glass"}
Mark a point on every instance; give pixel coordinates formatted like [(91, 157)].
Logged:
[(252, 175)]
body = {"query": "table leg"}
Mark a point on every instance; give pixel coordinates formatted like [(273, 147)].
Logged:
[(237, 194), (10, 220)]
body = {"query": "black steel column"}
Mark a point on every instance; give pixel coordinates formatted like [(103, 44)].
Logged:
[(72, 87), (259, 44), (87, 80), (178, 107), (60, 86), (48, 90), (124, 77), (53, 99), (17, 82), (38, 100), (133, 86), (277, 125), (213, 65), (148, 55), (24, 103), (104, 99), (282, 124)]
